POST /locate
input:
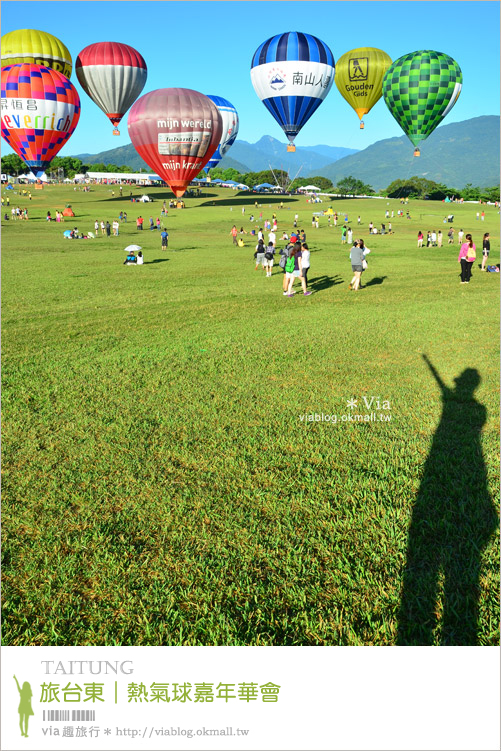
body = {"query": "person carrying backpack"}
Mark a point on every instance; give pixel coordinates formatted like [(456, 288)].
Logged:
[(293, 270), (268, 258)]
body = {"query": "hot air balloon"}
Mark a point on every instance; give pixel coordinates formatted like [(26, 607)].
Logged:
[(420, 89), (113, 75), (40, 111), (37, 47), (292, 74), (175, 131), (229, 117), (359, 78)]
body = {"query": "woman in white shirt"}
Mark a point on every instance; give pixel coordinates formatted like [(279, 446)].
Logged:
[(140, 259), (305, 263)]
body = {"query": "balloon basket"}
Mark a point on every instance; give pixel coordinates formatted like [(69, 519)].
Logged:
[(362, 126), (291, 147), (417, 152), (116, 132)]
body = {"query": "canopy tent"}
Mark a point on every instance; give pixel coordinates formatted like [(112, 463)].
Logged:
[(267, 186), (31, 177), (311, 188)]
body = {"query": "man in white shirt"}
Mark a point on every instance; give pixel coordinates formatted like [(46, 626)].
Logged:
[(272, 238)]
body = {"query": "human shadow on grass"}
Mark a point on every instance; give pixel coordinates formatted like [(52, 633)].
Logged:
[(324, 282), (156, 260), (453, 519), (375, 280)]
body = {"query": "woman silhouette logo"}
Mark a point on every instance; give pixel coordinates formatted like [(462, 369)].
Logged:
[(24, 709)]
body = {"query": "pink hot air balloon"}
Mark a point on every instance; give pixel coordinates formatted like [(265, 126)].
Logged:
[(40, 111), (113, 75), (175, 131)]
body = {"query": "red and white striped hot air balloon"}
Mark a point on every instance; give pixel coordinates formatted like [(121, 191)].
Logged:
[(113, 75)]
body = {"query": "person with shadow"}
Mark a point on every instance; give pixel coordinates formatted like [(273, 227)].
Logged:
[(453, 519), (25, 710)]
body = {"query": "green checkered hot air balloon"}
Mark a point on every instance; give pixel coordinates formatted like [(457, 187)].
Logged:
[(420, 89)]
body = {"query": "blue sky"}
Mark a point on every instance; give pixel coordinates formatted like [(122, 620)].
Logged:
[(208, 46)]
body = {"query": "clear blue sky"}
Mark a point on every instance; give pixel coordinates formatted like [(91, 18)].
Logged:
[(208, 46)]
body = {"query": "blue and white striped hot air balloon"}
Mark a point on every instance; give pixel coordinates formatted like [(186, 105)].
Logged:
[(292, 74), (229, 117)]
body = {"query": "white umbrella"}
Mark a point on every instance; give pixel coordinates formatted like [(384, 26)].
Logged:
[(132, 248)]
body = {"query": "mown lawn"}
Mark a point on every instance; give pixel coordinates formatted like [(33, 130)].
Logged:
[(160, 485)]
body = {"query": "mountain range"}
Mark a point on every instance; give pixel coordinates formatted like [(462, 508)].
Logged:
[(455, 154)]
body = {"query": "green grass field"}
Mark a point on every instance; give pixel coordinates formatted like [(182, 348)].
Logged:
[(160, 486)]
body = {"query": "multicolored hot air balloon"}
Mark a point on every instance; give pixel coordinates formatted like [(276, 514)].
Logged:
[(359, 78), (37, 47), (113, 75), (229, 116), (40, 111), (420, 89), (292, 74), (175, 131)]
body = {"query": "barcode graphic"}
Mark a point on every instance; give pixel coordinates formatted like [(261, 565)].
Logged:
[(63, 715), (56, 715)]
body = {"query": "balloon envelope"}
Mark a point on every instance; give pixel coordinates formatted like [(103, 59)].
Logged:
[(229, 117), (113, 75), (175, 131), (40, 111), (359, 77), (37, 47), (420, 89), (292, 73)]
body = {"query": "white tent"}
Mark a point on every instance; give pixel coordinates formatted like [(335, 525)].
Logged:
[(310, 188)]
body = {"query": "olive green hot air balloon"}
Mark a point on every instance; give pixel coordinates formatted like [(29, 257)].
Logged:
[(37, 47), (420, 89), (359, 78)]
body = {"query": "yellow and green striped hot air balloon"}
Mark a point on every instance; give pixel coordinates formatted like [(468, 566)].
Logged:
[(36, 47), (359, 78), (420, 89)]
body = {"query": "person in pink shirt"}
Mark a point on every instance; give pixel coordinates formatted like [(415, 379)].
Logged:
[(466, 258)]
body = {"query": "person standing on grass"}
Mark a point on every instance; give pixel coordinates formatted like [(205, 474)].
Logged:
[(305, 262), (483, 215), (152, 224), (268, 258), (450, 236), (349, 236), (272, 238), (25, 709), (460, 237), (428, 239), (343, 235), (234, 233), (103, 228), (420, 238), (439, 238), (259, 254), (357, 258), (486, 248), (434, 239), (125, 217), (165, 239), (108, 229), (466, 258), (296, 257), (96, 227)]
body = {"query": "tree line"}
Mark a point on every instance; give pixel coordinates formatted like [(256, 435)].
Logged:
[(413, 187)]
